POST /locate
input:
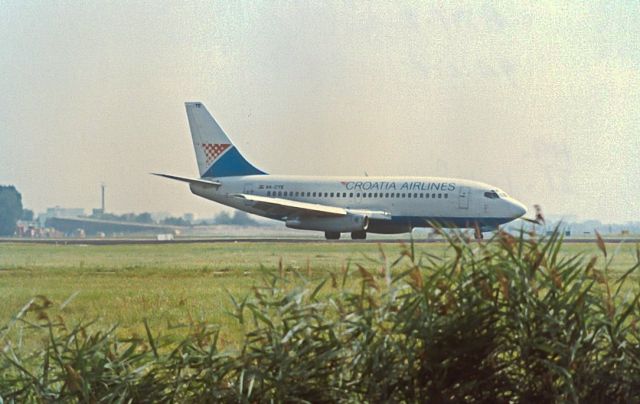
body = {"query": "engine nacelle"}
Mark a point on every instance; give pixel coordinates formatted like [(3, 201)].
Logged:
[(342, 224)]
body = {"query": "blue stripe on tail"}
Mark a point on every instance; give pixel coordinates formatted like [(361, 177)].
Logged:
[(232, 164)]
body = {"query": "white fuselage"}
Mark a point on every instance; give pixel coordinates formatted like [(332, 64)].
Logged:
[(409, 201)]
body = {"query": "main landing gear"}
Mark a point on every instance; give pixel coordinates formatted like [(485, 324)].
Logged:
[(358, 235), (332, 235), (355, 235)]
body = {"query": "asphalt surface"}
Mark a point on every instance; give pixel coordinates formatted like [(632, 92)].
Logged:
[(117, 241)]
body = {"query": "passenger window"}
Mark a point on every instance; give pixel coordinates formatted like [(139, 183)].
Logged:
[(364, 195), (409, 195), (344, 194), (331, 195), (314, 194), (391, 195), (350, 194), (358, 195), (279, 193), (386, 195), (439, 196), (421, 195), (433, 195), (415, 195), (268, 193), (446, 196), (403, 195), (426, 196), (326, 194)]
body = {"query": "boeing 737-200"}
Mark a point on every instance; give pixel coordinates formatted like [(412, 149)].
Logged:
[(335, 205)]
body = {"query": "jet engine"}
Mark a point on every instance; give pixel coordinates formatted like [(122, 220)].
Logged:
[(342, 224)]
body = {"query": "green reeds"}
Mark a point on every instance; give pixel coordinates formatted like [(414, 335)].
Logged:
[(509, 320)]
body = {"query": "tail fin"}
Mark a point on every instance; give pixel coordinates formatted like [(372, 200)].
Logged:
[(216, 155)]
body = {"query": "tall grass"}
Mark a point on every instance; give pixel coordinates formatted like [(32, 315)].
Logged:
[(510, 320)]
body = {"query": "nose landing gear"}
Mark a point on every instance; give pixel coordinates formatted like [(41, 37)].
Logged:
[(478, 233)]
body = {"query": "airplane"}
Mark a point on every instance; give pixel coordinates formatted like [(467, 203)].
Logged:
[(340, 204)]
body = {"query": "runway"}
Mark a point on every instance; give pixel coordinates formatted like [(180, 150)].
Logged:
[(151, 241)]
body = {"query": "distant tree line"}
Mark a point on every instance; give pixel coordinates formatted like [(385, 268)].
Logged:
[(239, 218), (175, 221), (10, 209), (27, 215)]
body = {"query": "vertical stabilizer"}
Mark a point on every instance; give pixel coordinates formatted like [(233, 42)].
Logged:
[(216, 155)]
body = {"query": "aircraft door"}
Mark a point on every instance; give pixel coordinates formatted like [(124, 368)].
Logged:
[(463, 198)]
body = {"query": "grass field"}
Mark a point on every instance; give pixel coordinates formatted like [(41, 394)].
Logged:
[(182, 283)]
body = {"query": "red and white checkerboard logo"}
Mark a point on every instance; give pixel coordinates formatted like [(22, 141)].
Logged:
[(212, 151)]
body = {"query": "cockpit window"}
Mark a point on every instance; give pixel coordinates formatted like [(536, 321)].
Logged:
[(491, 195)]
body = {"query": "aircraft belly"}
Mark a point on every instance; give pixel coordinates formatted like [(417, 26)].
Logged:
[(403, 224)]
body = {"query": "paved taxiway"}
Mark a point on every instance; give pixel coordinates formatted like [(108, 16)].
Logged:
[(116, 241)]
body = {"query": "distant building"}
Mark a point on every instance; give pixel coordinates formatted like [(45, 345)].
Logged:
[(58, 211), (99, 228)]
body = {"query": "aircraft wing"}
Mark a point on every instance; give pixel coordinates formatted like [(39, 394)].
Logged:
[(286, 207), (289, 208), (199, 181)]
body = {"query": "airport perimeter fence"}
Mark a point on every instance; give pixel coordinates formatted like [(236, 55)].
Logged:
[(510, 320)]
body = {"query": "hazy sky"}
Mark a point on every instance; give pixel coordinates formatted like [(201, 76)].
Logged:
[(542, 100)]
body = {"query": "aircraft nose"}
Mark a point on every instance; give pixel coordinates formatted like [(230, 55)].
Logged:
[(518, 208)]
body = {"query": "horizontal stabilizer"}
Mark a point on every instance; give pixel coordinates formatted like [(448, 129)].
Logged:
[(198, 181)]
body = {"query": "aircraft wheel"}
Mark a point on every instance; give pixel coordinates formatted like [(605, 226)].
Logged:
[(331, 235), (358, 235)]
